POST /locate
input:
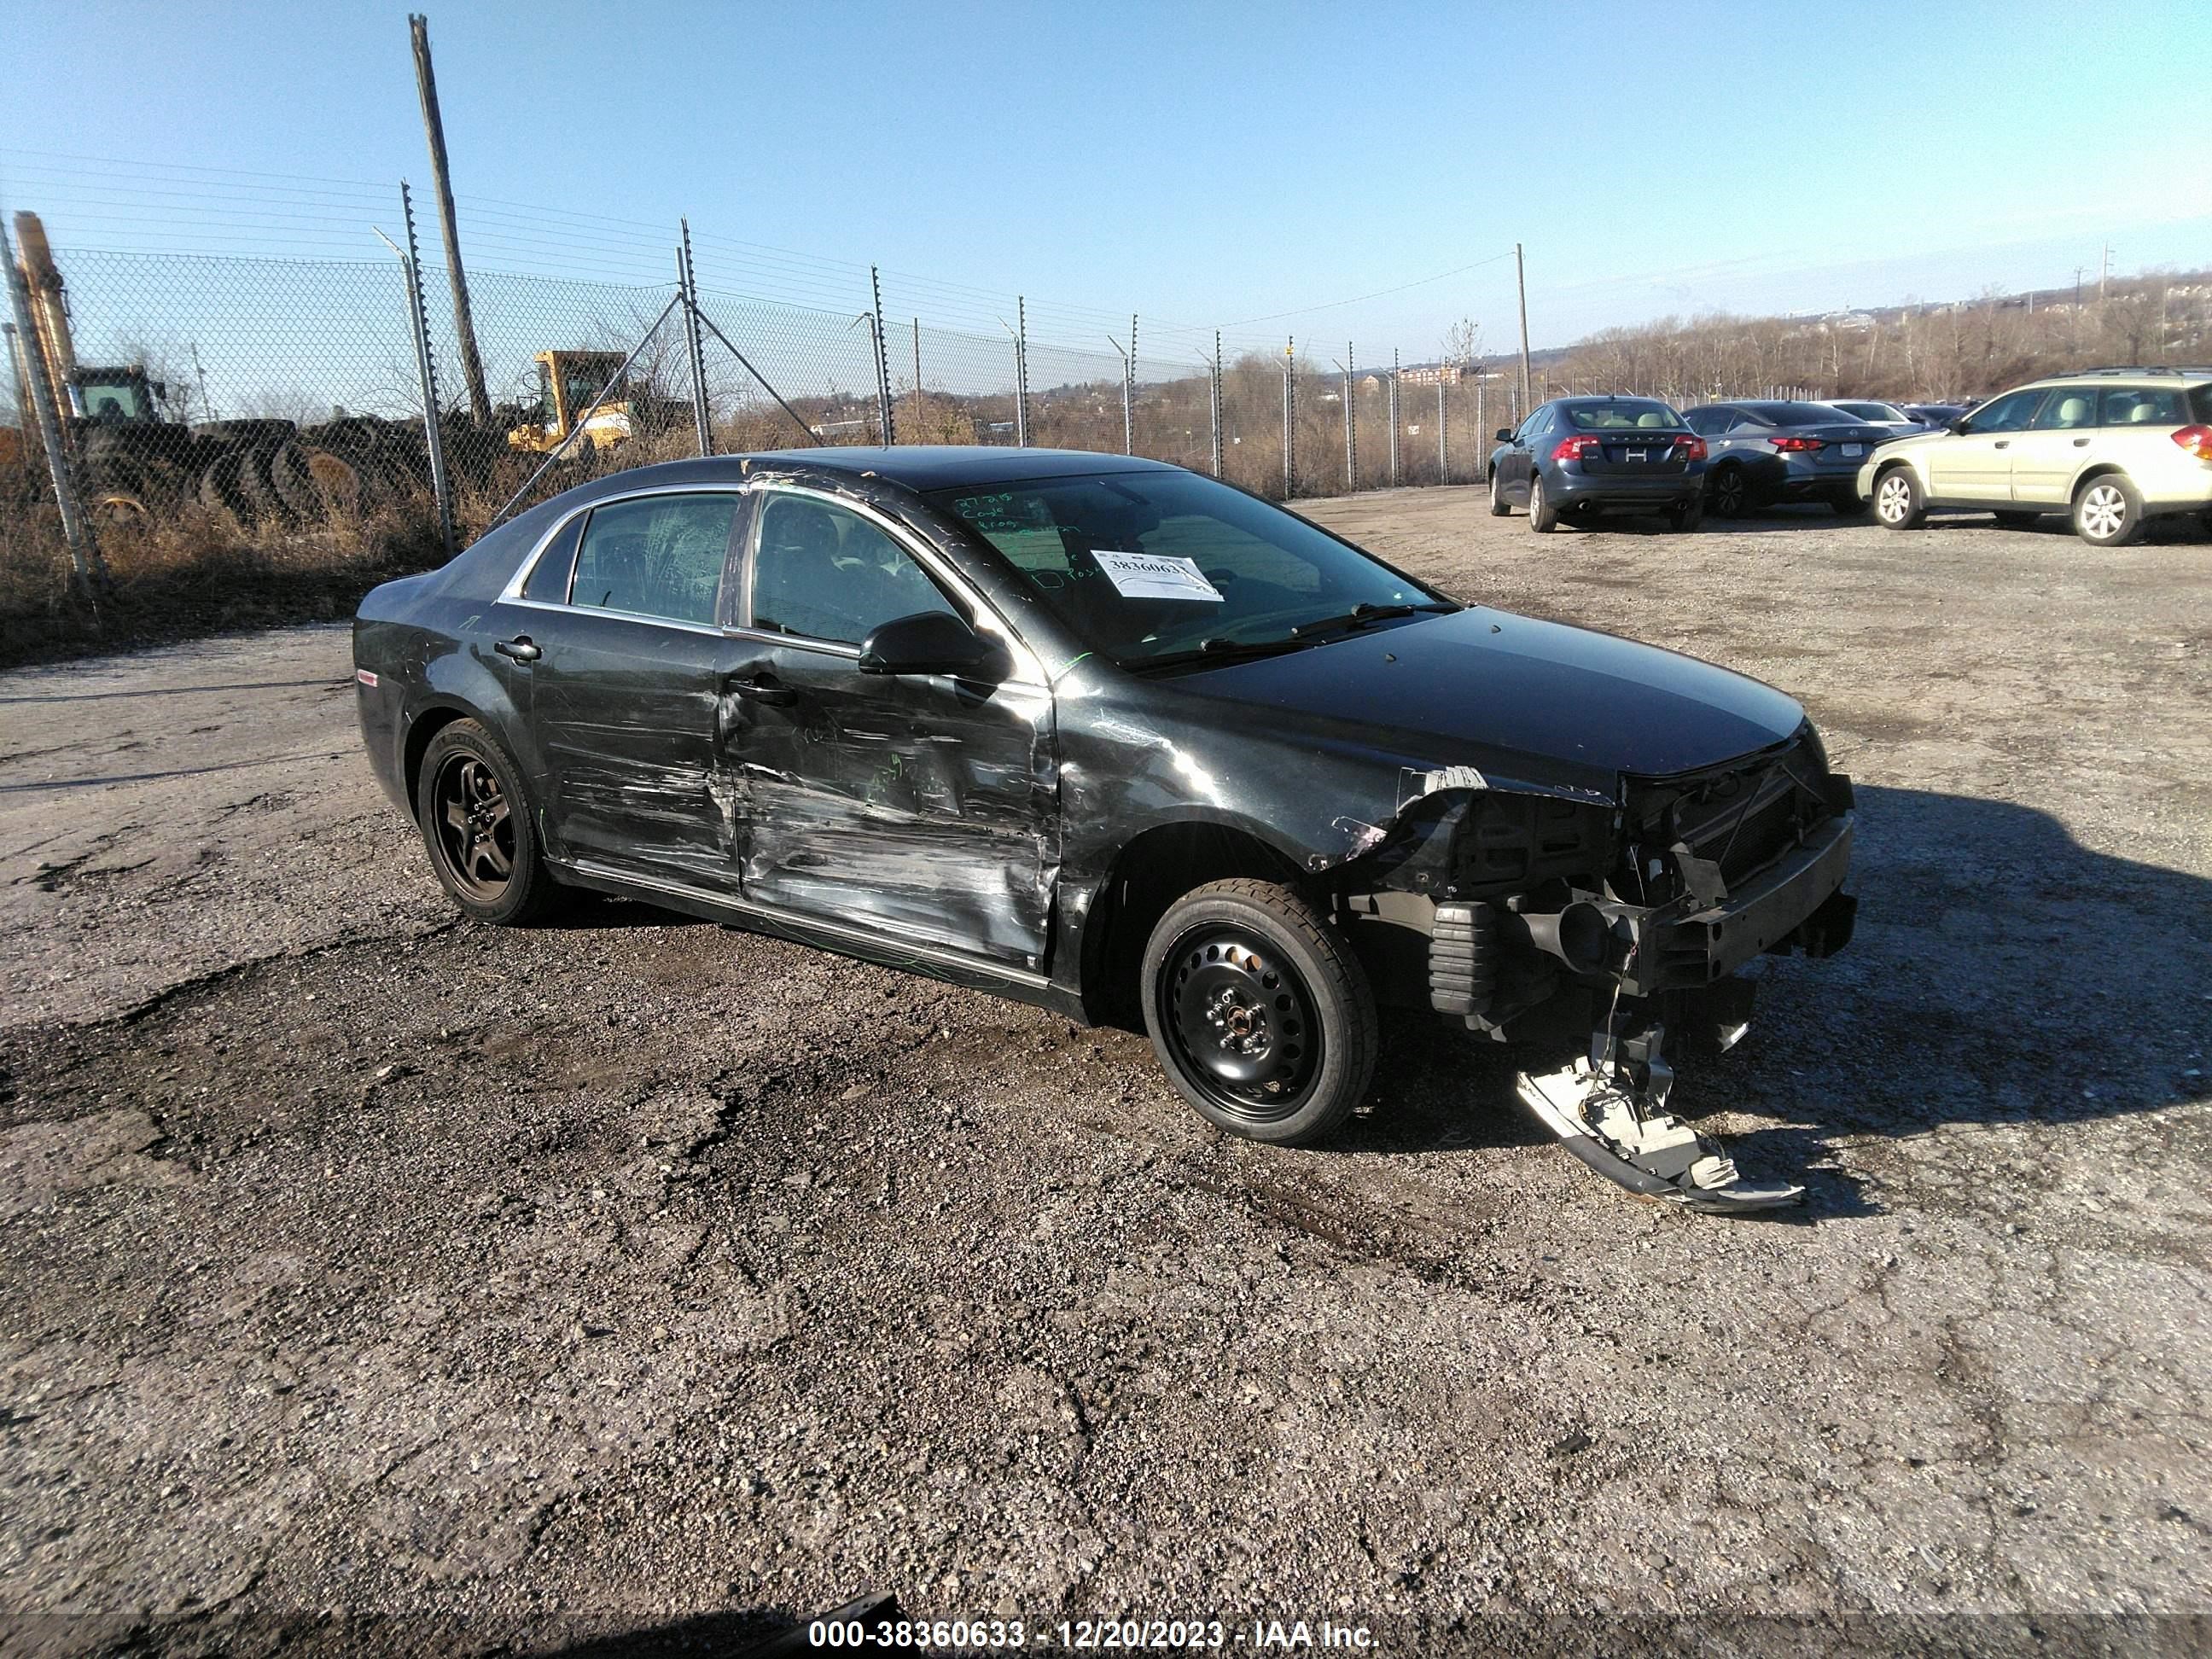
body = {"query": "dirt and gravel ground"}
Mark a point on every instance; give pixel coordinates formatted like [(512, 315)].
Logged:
[(370, 1280)]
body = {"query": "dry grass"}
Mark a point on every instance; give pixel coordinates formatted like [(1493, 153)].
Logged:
[(192, 573)]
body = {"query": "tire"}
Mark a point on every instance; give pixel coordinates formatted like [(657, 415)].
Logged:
[(1898, 503), (2108, 511), (1685, 516), (1543, 517), (117, 493), (257, 481), (1498, 507), (1259, 1011), (2018, 521), (478, 828), (219, 489), (1728, 492)]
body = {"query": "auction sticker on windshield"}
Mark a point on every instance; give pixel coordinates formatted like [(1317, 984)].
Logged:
[(1155, 576)]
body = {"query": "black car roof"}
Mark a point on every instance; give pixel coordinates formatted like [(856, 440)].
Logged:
[(938, 467)]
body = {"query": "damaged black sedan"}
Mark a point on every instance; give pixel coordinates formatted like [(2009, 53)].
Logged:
[(1121, 740)]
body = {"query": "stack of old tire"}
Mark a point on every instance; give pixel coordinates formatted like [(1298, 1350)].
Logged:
[(263, 473), (273, 473)]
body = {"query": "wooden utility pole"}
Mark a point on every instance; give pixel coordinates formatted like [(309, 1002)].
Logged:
[(1520, 276), (426, 82)]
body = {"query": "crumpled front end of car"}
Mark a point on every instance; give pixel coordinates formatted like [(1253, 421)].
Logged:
[(1618, 929)]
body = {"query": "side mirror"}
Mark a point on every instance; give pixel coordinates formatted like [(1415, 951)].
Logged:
[(933, 642), (1505, 435), (1957, 429)]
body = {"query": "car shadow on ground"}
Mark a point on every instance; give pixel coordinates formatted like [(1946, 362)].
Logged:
[(2002, 973)]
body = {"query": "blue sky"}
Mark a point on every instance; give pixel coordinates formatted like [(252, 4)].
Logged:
[(1200, 164)]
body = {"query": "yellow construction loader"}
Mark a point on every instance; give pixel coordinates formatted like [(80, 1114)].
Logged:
[(567, 383)]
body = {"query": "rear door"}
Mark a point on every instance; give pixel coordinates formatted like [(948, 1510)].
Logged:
[(917, 808), (2136, 428), (1976, 465), (2046, 457), (623, 689)]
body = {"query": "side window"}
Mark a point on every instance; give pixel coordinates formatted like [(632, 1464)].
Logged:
[(2009, 413), (826, 573), (548, 577), (2143, 406), (1739, 419), (1709, 422), (661, 556), (2068, 407)]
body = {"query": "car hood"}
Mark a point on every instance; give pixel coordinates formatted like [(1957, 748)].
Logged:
[(1528, 703)]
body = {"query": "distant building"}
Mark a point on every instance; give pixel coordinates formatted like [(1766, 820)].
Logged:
[(1438, 375)]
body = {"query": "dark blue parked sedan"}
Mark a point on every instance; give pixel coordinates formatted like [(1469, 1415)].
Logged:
[(1766, 451), (1574, 458)]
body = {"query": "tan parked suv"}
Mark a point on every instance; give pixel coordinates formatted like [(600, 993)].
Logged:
[(2111, 446)]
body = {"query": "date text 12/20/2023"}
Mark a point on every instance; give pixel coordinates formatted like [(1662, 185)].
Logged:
[(1089, 1635)]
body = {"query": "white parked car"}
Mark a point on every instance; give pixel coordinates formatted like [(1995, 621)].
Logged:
[(2112, 447)]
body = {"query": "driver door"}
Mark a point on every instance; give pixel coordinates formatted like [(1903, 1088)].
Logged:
[(917, 807)]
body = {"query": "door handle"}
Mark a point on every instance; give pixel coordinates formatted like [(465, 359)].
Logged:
[(2000, 443), (520, 648), (763, 690), (2080, 443)]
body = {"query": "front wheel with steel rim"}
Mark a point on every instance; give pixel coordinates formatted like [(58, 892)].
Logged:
[(1897, 501), (1260, 1011), (475, 822), (2108, 512)]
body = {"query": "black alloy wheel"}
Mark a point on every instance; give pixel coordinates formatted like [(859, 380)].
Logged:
[(475, 826), (476, 821), (1731, 492)]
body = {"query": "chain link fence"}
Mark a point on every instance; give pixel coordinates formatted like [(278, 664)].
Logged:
[(213, 399)]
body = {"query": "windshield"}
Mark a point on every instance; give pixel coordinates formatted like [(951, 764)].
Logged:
[(1872, 411), (1616, 413), (1148, 566)]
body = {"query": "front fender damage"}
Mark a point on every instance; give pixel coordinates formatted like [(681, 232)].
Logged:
[(1624, 915)]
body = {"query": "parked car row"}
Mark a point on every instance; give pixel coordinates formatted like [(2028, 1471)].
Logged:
[(2111, 447)]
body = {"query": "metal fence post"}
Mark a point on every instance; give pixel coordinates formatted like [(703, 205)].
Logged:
[(1481, 430), (1214, 385), (434, 434), (1350, 424), (1130, 392), (1394, 420), (1021, 372), (1290, 424), (1443, 455), (688, 279), (883, 366), (88, 570)]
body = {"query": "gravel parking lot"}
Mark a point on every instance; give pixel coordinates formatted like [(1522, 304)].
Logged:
[(513, 1291)]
